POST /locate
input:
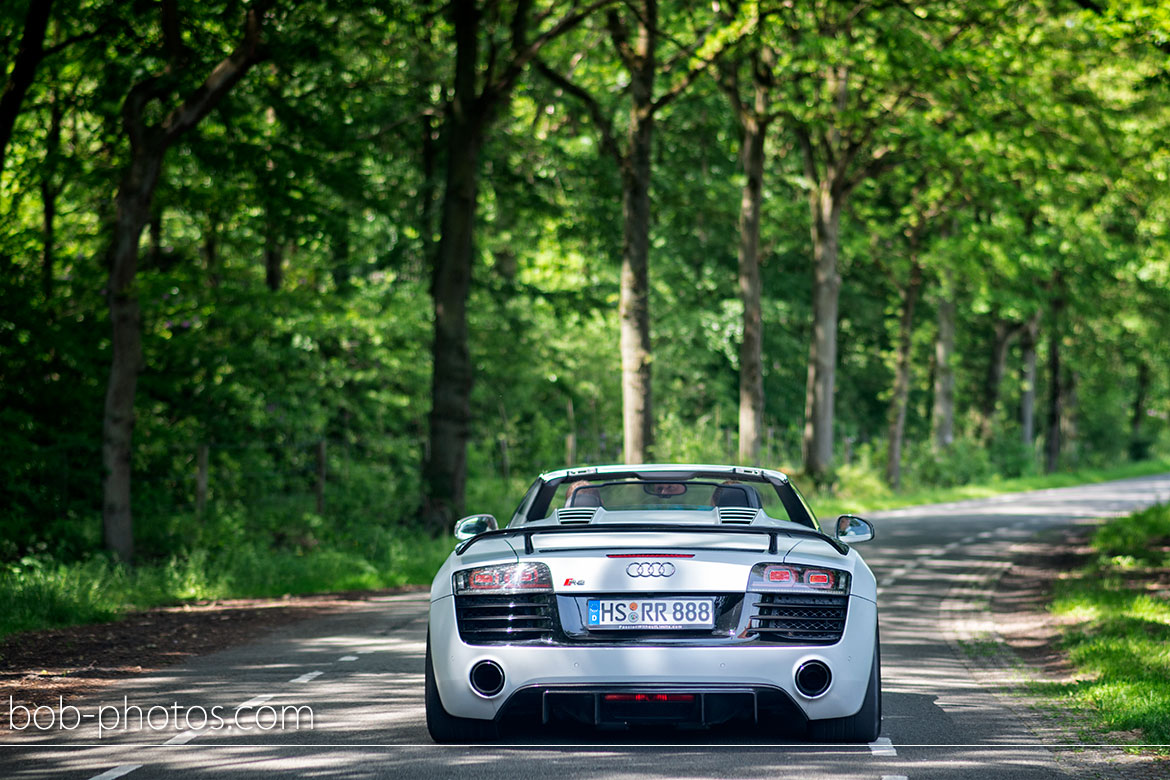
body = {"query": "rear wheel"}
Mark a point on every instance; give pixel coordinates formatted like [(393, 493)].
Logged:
[(445, 727), (867, 723)]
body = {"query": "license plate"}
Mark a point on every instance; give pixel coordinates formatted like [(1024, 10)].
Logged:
[(651, 613)]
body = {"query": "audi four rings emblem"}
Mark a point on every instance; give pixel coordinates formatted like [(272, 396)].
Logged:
[(650, 569)]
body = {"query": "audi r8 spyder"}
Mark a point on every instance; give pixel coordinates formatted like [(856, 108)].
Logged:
[(656, 594)]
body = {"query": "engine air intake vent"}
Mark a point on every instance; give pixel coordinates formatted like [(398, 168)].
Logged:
[(496, 620), (737, 515), (579, 515), (800, 618)]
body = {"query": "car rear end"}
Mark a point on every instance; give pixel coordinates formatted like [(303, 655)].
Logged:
[(672, 626)]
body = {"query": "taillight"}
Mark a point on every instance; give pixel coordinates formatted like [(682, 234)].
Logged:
[(779, 575), (650, 698), (818, 579), (766, 577), (504, 579)]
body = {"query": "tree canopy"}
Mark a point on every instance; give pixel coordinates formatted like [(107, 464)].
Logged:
[(277, 268)]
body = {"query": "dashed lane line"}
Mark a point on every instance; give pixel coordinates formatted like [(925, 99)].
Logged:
[(116, 772), (348, 658), (192, 734), (882, 747), (256, 702), (184, 737)]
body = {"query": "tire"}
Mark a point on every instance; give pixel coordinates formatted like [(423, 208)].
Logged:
[(445, 727), (866, 724)]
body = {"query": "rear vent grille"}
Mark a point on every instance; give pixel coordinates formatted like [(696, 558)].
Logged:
[(739, 515), (494, 620), (799, 618), (581, 515)]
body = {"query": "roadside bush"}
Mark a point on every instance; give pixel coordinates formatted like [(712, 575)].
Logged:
[(1143, 537), (966, 461), (864, 476)]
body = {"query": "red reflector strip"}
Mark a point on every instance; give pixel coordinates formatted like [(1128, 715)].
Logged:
[(650, 555), (650, 698)]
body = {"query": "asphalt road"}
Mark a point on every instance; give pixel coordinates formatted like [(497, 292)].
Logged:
[(361, 673)]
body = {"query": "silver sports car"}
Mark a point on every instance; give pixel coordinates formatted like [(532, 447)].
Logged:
[(665, 594)]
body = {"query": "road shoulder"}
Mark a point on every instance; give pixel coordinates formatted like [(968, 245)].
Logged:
[(64, 664), (999, 627)]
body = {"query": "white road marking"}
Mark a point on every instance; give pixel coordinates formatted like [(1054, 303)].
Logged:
[(116, 772), (367, 650), (184, 738), (882, 747), (887, 582), (256, 702), (307, 677), (348, 658), (895, 777)]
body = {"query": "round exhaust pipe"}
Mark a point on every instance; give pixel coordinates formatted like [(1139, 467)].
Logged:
[(813, 678), (487, 678)]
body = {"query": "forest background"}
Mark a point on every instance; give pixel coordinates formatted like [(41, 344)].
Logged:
[(285, 287)]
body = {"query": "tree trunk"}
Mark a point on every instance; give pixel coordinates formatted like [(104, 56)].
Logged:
[(1139, 447), (1055, 383), (817, 442), (943, 415), (634, 302), (1028, 381), (49, 191), (902, 375), (1004, 333), (1069, 403), (469, 117), (24, 69), (751, 363), (148, 145), (445, 467), (571, 436), (133, 211)]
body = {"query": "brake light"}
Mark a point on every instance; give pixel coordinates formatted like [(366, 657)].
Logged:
[(818, 579), (766, 577), (504, 579), (650, 698), (780, 575), (650, 555)]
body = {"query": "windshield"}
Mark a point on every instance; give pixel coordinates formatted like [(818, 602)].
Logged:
[(682, 495)]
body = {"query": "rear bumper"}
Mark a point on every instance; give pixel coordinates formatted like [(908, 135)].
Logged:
[(560, 670), (671, 704)]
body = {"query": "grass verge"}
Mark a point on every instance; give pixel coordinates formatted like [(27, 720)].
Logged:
[(40, 593), (1117, 611)]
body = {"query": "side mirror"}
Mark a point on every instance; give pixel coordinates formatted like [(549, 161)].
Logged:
[(474, 526), (852, 529)]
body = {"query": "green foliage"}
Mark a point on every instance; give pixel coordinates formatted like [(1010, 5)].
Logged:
[(1025, 157), (39, 592), (1142, 538), (965, 462)]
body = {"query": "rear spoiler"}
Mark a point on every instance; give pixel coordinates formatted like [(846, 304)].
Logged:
[(772, 533)]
